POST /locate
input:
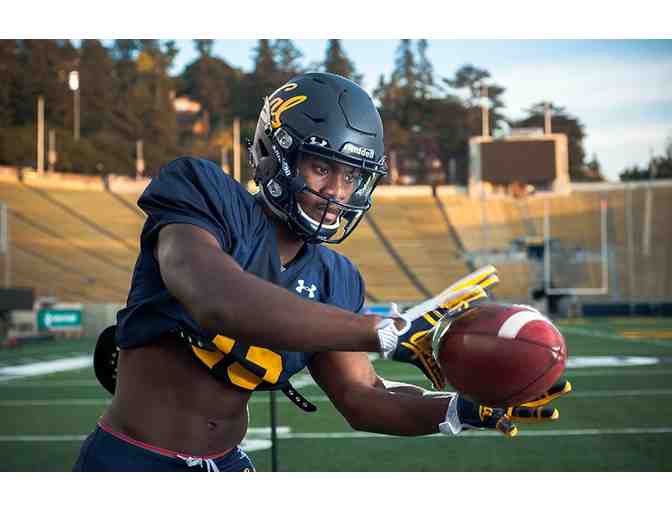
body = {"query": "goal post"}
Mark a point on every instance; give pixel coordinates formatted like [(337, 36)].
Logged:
[(568, 260)]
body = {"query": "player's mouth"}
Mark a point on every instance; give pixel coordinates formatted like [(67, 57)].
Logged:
[(321, 216), (331, 216)]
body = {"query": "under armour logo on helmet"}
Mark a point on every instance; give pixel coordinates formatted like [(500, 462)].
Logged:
[(317, 141), (311, 290)]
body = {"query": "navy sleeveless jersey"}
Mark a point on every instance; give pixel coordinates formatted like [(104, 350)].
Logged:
[(198, 192)]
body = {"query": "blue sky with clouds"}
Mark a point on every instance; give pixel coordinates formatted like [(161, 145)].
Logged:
[(620, 89)]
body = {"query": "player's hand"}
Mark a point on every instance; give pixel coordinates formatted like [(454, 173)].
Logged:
[(407, 337), (463, 414)]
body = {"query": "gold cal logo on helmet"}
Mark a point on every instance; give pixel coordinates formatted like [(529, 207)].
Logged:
[(279, 105)]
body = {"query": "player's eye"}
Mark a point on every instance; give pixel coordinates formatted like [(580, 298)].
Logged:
[(352, 177), (321, 170)]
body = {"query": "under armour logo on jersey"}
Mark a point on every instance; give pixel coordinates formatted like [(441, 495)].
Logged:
[(311, 290)]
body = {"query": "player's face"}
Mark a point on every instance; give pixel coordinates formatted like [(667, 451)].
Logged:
[(329, 178)]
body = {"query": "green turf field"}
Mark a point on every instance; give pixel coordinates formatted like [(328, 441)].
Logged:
[(619, 417)]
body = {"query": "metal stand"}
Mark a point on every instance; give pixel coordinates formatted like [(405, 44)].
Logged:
[(274, 436)]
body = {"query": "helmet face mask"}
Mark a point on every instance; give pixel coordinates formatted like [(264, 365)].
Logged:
[(326, 117)]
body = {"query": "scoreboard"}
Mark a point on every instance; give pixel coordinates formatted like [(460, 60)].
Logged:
[(531, 162), (539, 160)]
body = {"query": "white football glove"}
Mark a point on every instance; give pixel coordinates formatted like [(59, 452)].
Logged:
[(412, 342), (463, 414)]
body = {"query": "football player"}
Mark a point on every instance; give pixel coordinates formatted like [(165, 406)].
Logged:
[(234, 293)]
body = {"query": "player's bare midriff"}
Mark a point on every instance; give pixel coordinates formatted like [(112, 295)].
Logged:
[(166, 399)]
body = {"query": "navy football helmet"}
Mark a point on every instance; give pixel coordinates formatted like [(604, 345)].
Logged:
[(327, 116)]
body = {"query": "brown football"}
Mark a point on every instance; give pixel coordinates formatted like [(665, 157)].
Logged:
[(502, 355)]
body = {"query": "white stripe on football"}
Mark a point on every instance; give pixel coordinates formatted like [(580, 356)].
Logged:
[(512, 326)]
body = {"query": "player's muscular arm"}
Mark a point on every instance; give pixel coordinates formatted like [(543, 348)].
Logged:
[(224, 299), (363, 399)]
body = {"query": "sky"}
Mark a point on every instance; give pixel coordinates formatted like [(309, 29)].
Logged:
[(607, 63), (621, 90)]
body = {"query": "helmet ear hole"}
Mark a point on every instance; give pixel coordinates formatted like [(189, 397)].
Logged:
[(267, 167)]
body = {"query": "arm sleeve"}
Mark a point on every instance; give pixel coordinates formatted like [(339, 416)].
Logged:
[(189, 191)]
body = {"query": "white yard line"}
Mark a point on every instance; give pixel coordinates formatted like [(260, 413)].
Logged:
[(45, 367), (479, 433), (356, 435)]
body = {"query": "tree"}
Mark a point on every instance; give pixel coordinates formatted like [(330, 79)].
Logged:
[(153, 95), (404, 82), (471, 78), (422, 128), (476, 81), (389, 94), (204, 47), (593, 169), (212, 82), (265, 65), (261, 82), (425, 71), (125, 120), (97, 89), (9, 71), (448, 119), (658, 167), (45, 65), (562, 122), (337, 62), (287, 57), (405, 68)]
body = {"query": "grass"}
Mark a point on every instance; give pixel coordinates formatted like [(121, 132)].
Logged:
[(617, 419)]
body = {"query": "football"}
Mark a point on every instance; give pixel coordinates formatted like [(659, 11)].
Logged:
[(501, 355)]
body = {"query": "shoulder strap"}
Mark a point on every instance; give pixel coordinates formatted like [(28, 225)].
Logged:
[(299, 400)]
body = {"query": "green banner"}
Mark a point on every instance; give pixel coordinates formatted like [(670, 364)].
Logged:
[(61, 319)]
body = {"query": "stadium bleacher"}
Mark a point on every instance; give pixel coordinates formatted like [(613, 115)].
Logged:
[(76, 238), (415, 227), (383, 276), (69, 242)]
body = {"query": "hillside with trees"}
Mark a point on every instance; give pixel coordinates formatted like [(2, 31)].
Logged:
[(127, 94)]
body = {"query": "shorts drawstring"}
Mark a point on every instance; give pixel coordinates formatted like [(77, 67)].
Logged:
[(198, 461)]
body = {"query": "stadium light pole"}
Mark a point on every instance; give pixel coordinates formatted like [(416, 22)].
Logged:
[(274, 429), (485, 111), (139, 160), (73, 81), (394, 169), (225, 160), (547, 118), (40, 134), (51, 153)]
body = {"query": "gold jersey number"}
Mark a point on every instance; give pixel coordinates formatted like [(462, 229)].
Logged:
[(267, 360)]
